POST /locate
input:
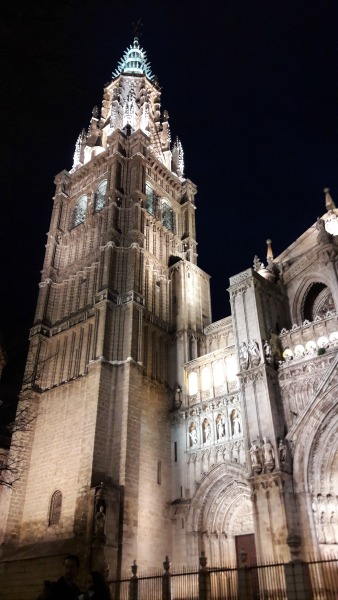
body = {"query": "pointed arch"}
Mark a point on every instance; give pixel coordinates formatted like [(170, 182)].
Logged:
[(55, 508), (313, 298), (314, 437), (220, 510), (317, 301)]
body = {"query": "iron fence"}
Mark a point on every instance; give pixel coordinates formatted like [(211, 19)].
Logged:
[(312, 580)]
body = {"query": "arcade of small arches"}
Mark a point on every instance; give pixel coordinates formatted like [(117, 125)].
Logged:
[(217, 428), (311, 347), (209, 378)]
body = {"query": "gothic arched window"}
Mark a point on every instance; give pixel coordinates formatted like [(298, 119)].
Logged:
[(150, 200), (55, 508), (167, 215), (79, 213), (100, 196), (318, 300)]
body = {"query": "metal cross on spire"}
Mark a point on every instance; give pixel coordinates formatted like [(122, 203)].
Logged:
[(137, 28)]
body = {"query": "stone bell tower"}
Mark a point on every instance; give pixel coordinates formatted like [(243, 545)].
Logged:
[(122, 304)]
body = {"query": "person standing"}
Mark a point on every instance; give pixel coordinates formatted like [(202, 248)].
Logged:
[(64, 588)]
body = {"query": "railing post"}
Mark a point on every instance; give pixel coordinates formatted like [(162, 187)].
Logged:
[(166, 580), (298, 582), (243, 583), (133, 585), (204, 585)]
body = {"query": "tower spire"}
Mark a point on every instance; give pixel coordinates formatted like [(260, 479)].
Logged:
[(134, 60), (269, 253), (330, 205), (331, 218)]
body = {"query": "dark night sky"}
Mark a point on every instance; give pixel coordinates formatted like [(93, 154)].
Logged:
[(252, 91)]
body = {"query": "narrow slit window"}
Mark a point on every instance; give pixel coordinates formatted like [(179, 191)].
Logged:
[(79, 213), (167, 216), (150, 200), (100, 196), (55, 508)]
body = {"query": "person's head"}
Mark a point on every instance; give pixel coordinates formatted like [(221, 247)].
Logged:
[(71, 565)]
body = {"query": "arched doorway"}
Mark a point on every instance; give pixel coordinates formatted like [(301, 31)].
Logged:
[(221, 510), (323, 484), (316, 469)]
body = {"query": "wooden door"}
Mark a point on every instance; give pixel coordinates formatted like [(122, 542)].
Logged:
[(246, 557), (245, 544)]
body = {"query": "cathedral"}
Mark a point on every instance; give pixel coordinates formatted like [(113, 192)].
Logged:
[(157, 431)]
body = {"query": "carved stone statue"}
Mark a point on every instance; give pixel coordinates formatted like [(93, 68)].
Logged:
[(235, 422), (268, 453), (177, 397), (322, 521), (255, 455), (282, 452), (268, 353), (206, 431), (254, 354), (220, 423), (243, 356), (100, 521), (193, 435), (333, 524)]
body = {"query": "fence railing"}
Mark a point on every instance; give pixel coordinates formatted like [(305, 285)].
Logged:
[(297, 580)]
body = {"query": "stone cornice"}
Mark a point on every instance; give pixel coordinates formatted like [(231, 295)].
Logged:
[(219, 326), (189, 267), (326, 253), (196, 363)]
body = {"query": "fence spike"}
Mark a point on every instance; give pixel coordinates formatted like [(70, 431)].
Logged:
[(203, 560), (166, 564), (134, 568)]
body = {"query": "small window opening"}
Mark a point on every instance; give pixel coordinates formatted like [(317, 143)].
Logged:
[(55, 508)]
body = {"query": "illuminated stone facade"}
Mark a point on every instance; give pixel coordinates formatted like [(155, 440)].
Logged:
[(158, 432), (259, 442)]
